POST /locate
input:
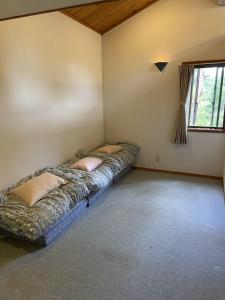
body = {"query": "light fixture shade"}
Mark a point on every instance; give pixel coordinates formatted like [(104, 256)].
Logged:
[(161, 65)]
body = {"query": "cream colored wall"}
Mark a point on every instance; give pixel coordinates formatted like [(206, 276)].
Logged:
[(141, 103), (50, 93)]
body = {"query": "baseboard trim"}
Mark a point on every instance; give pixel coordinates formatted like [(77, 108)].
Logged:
[(179, 173)]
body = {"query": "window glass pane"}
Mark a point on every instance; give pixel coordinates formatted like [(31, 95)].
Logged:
[(216, 100), (221, 112), (207, 97)]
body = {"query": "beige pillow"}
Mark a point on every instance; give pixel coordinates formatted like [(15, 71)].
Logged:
[(110, 149), (33, 190), (87, 164)]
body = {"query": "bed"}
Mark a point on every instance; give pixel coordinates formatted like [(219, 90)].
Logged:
[(50, 216)]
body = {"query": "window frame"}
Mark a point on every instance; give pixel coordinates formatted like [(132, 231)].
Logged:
[(201, 65)]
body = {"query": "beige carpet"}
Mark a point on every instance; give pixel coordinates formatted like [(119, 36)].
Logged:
[(151, 237)]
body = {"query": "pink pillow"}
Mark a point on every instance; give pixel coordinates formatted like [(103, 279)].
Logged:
[(110, 149), (37, 187), (87, 164)]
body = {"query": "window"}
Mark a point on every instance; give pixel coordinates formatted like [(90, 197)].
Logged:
[(206, 100)]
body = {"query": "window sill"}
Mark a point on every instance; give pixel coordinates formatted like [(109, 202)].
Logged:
[(207, 130)]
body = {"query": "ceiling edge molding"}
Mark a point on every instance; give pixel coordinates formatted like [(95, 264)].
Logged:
[(45, 11)]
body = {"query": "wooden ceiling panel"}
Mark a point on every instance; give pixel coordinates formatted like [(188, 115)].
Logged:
[(102, 17)]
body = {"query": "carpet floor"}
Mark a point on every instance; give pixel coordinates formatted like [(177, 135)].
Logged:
[(151, 237)]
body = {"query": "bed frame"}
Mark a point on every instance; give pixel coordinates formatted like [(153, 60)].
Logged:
[(73, 214)]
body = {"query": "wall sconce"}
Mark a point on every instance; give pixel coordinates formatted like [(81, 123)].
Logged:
[(161, 65)]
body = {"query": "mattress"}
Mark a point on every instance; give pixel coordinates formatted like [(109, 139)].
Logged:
[(62, 224), (48, 217), (33, 222)]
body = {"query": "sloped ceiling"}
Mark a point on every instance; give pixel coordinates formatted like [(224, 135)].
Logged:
[(17, 8), (102, 17)]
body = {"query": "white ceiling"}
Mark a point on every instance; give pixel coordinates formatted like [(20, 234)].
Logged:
[(15, 8)]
